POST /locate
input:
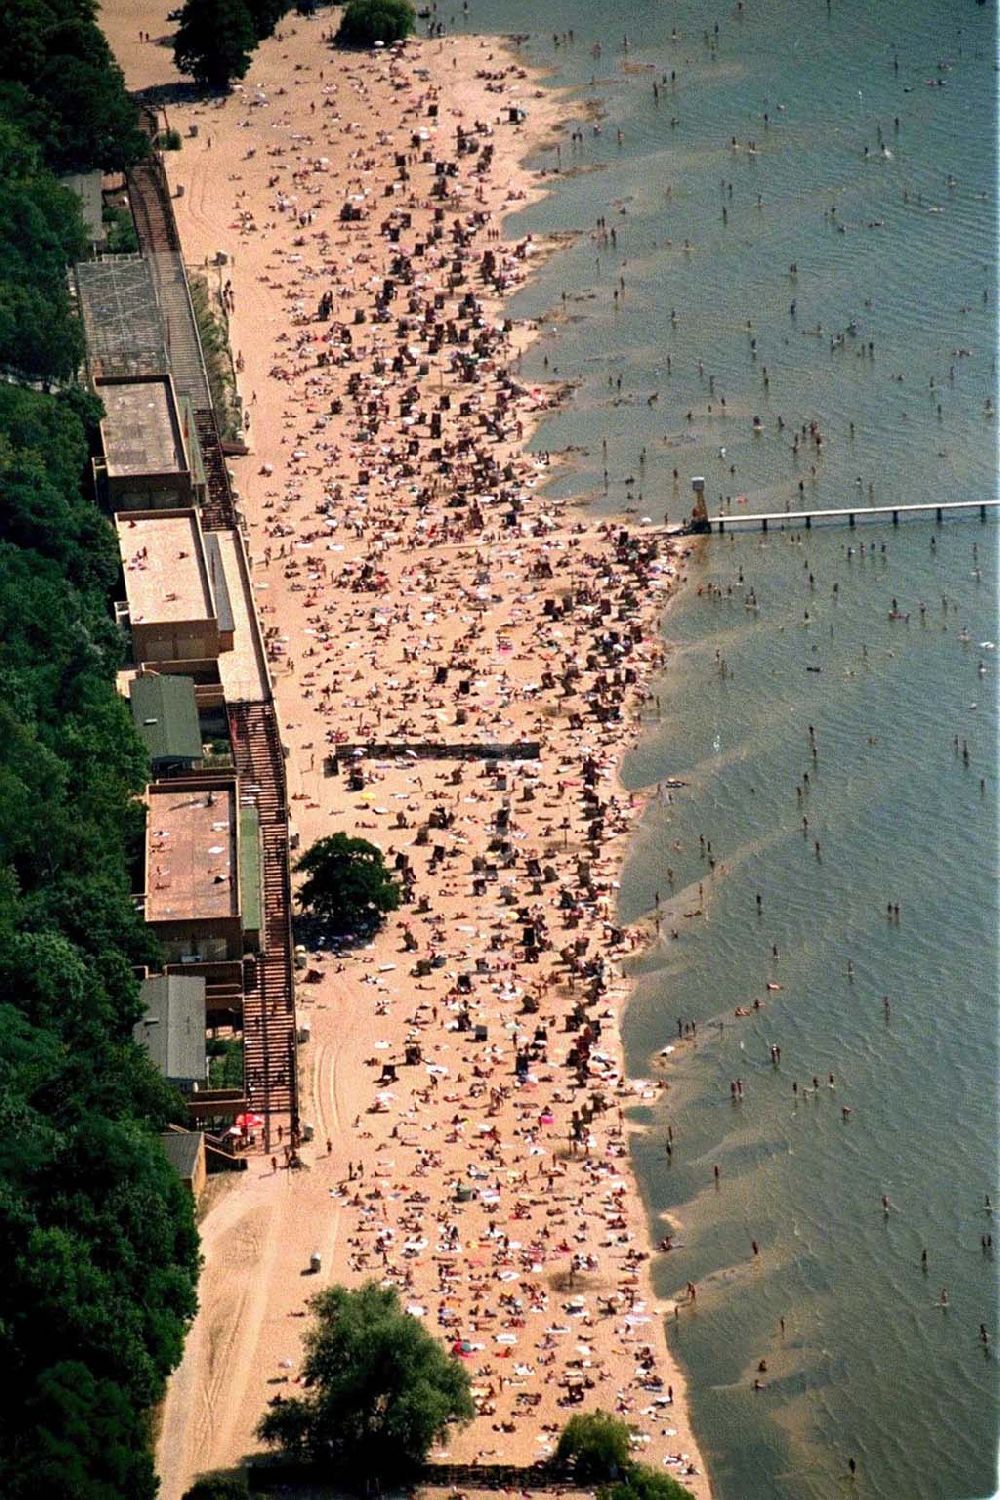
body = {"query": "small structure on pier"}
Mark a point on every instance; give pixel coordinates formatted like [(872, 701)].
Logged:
[(150, 455), (699, 513)]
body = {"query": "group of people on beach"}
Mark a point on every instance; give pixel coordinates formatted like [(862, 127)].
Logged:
[(426, 592)]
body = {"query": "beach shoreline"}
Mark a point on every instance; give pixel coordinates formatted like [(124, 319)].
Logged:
[(345, 521)]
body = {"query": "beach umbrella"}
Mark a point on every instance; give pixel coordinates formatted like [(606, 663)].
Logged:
[(249, 1122)]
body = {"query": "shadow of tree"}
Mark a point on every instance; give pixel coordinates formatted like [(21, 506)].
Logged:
[(322, 937), (160, 94), (313, 1482)]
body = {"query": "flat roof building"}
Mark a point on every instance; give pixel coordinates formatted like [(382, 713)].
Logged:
[(171, 604), (173, 1028), (202, 886), (145, 462)]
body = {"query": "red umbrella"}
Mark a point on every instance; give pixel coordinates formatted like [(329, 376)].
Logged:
[(249, 1122)]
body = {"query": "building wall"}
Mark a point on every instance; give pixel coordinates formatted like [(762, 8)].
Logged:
[(200, 1175), (212, 940), (178, 640), (149, 491)]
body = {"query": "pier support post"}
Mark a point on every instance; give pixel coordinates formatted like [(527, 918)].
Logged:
[(763, 524), (809, 523), (982, 512), (895, 518), (850, 519), (938, 515)]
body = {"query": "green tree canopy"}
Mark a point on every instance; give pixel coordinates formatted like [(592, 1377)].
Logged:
[(98, 1247), (222, 1488), (265, 15), (59, 81), (367, 21), (40, 230), (215, 41), (43, 457), (347, 885), (643, 1482), (595, 1445), (381, 1390)]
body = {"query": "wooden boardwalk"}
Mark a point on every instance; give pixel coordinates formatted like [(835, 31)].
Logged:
[(849, 515)]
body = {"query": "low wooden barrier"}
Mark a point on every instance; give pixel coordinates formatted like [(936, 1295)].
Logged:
[(433, 750)]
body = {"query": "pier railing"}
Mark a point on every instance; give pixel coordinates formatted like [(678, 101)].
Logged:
[(849, 515)]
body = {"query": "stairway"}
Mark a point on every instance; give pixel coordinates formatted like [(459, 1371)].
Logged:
[(187, 364), (218, 511), (269, 1030)]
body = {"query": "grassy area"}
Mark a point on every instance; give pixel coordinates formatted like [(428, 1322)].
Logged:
[(225, 1065), (213, 330), (120, 230)]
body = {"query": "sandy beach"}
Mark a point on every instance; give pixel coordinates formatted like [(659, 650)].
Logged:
[(464, 1075)]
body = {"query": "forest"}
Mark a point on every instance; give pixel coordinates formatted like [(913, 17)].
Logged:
[(98, 1247)]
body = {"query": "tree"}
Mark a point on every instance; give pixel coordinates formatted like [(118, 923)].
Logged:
[(40, 230), (98, 1245), (643, 1482), (59, 81), (347, 884), (265, 15), (224, 1487), (367, 21), (381, 1389), (215, 41), (596, 1445), (92, 120)]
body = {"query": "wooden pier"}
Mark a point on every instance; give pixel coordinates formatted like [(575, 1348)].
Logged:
[(847, 515)]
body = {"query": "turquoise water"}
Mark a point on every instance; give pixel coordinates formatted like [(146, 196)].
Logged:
[(895, 249)]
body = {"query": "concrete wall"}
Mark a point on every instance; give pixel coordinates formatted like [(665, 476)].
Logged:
[(175, 640), (212, 939)]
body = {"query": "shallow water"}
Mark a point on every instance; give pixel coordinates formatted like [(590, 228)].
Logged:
[(890, 251)]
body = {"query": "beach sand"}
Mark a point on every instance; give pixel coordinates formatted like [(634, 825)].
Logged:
[(414, 584)]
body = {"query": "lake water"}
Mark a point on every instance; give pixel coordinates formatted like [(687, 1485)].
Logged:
[(874, 175)]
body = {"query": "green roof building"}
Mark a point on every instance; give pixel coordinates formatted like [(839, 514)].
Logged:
[(166, 716), (173, 1028)]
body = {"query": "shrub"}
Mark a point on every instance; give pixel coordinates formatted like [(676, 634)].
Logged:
[(596, 1445), (643, 1482), (225, 1487)]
